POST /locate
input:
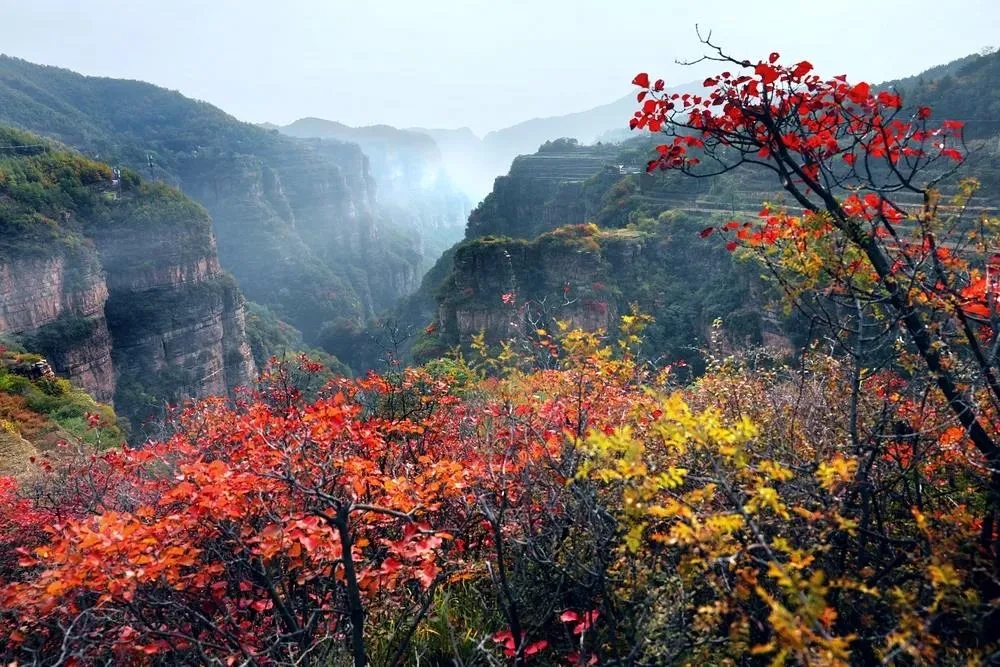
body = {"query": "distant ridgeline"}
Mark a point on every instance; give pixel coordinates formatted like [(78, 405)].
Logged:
[(115, 281), (517, 242), (296, 220)]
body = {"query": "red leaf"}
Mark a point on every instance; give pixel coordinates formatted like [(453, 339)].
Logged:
[(889, 100), (569, 616), (706, 232), (802, 69), (390, 565), (773, 58), (766, 73), (731, 246), (586, 620), (859, 93), (534, 648), (641, 96), (641, 80), (659, 85), (709, 82), (952, 153), (923, 113), (507, 639), (976, 309)]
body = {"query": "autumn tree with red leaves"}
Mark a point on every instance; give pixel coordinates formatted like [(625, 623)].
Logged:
[(875, 236)]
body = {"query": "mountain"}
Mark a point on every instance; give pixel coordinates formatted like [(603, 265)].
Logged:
[(580, 233), (965, 89), (479, 161), (115, 280), (296, 221), (415, 189)]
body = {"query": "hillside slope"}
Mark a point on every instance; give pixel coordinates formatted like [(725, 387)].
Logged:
[(295, 221)]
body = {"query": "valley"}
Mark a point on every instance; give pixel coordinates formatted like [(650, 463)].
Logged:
[(706, 374)]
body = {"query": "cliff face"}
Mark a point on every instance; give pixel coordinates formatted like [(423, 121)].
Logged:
[(40, 297), (643, 248), (506, 287), (297, 225), (177, 321), (560, 185), (179, 339), (589, 276), (117, 282)]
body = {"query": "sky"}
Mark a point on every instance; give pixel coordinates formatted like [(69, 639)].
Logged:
[(483, 64)]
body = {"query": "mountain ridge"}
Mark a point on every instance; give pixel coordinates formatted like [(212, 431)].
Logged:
[(296, 221)]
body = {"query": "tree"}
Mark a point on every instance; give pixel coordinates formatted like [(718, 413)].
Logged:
[(876, 235)]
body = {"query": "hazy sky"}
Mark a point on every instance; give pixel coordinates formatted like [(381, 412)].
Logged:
[(485, 64)]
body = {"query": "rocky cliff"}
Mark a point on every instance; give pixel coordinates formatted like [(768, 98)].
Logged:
[(177, 321), (116, 281), (641, 246), (589, 276), (504, 287), (59, 305)]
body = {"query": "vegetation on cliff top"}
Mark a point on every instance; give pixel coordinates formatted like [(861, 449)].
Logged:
[(53, 201), (660, 265)]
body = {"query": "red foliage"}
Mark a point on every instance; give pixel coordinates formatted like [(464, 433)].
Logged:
[(833, 118)]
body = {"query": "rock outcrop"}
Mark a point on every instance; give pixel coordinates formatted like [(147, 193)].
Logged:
[(172, 312), (504, 287), (58, 303), (581, 233), (116, 282)]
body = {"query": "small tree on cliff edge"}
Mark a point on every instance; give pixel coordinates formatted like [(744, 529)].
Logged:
[(851, 157)]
